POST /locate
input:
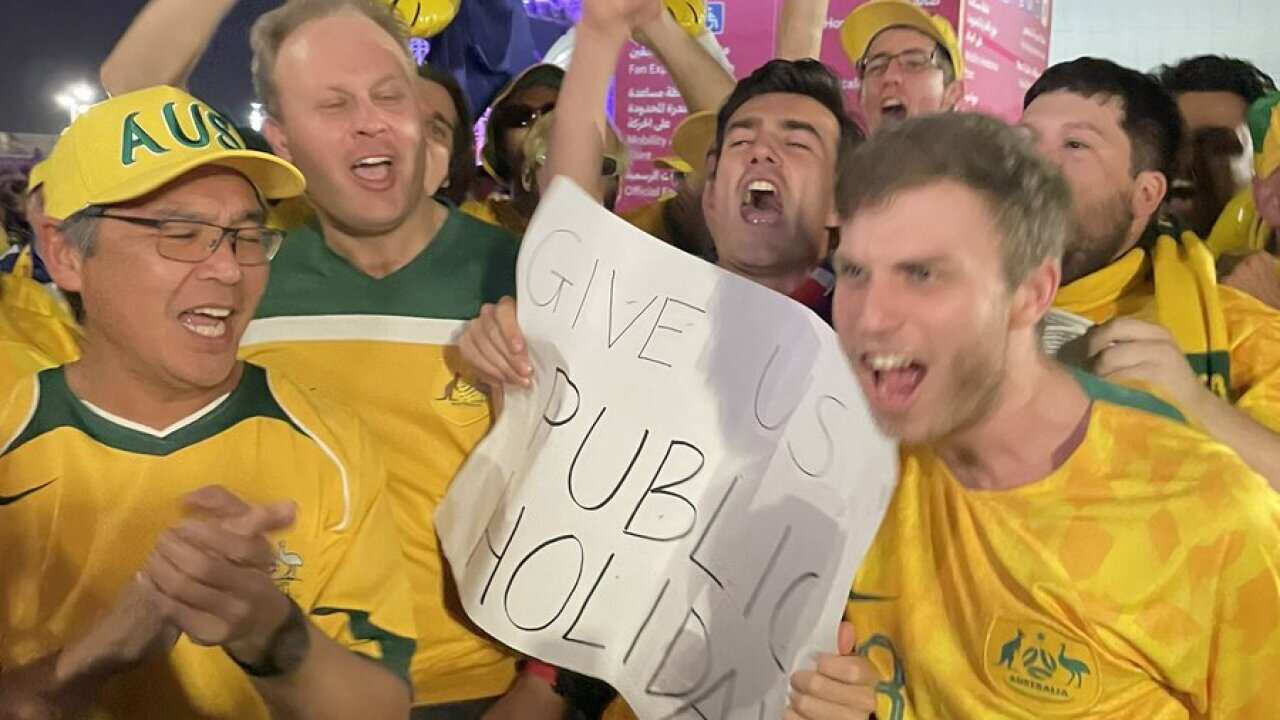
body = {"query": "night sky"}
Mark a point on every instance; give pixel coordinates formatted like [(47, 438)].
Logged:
[(47, 44)]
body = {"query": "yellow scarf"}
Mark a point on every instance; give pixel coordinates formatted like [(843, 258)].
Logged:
[(1186, 301)]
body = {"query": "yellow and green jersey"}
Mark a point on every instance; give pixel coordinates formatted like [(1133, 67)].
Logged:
[(1141, 579), (84, 495), (384, 347), (1252, 329), (31, 317)]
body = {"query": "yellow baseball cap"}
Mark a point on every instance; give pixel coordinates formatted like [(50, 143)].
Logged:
[(35, 177), (673, 162), (693, 138), (131, 145), (862, 26), (1269, 159), (689, 14)]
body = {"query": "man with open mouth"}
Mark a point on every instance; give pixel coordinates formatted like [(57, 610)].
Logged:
[(361, 297), (1057, 545), (908, 61), (185, 534)]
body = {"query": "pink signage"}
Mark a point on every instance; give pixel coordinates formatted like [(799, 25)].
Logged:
[(1005, 44), (647, 106), (1006, 47)]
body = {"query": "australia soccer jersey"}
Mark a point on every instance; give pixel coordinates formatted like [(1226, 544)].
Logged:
[(1138, 580), (84, 496), (385, 348)]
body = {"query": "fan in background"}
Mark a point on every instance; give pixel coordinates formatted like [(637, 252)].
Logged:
[(425, 18)]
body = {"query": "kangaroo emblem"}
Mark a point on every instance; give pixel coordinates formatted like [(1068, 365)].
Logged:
[(1009, 651), (459, 391), (290, 561), (1076, 669)]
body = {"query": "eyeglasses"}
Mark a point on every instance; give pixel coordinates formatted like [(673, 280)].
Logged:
[(912, 61), (515, 115), (192, 241)]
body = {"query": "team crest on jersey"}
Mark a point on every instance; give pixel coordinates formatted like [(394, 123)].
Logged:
[(457, 400), (1040, 668), (285, 569)]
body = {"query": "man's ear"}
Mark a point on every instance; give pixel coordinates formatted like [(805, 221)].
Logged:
[(61, 257), (953, 94), (279, 140), (1034, 295), (708, 188), (1149, 189)]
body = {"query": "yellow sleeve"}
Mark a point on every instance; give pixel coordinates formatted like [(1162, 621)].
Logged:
[(1243, 663), (1255, 356), (364, 601)]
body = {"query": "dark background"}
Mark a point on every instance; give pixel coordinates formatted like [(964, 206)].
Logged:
[(46, 45)]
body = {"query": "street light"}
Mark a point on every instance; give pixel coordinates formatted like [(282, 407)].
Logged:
[(257, 116), (76, 98)]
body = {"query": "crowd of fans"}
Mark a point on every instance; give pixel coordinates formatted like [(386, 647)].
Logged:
[(231, 397)]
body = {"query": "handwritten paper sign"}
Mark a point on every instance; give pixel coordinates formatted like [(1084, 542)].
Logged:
[(679, 504)]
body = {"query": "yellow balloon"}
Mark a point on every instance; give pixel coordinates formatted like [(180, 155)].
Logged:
[(425, 18), (690, 14)]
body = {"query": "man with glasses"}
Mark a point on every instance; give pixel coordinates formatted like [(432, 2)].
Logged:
[(908, 61), (185, 534)]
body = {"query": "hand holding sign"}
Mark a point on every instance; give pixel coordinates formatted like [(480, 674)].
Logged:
[(494, 349), (841, 687), (676, 497)]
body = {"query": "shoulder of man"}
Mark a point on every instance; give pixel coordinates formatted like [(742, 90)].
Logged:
[(19, 389), (465, 222)]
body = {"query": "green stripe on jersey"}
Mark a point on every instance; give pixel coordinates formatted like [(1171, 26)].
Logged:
[(58, 407), (1098, 389), (467, 264), (396, 652)]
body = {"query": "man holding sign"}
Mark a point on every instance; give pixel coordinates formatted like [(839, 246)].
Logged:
[(768, 195), (1040, 483)]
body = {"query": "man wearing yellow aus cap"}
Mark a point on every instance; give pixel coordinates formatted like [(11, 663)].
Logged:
[(185, 534), (908, 60)]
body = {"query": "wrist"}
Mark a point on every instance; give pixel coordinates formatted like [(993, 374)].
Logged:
[(1198, 401), (660, 33), (274, 642), (591, 34)]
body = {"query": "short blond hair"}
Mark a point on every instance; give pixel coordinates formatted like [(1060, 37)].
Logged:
[(272, 29), (1028, 198)]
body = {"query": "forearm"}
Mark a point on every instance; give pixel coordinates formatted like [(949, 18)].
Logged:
[(1257, 444), (800, 26), (703, 83), (577, 134), (163, 44), (333, 683), (63, 684)]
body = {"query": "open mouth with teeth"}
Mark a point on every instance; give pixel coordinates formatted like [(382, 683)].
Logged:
[(893, 110), (373, 171), (894, 380), (761, 203), (207, 322)]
